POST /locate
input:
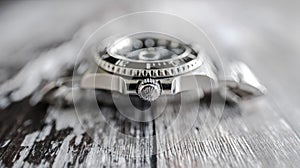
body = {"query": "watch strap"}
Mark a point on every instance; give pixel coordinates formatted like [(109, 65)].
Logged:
[(238, 82)]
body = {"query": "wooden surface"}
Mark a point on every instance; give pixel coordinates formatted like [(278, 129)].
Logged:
[(253, 134), (261, 133)]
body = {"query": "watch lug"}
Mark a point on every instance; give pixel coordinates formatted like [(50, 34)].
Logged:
[(203, 78), (103, 81), (238, 82)]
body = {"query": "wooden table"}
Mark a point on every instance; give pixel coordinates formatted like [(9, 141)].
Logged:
[(260, 133), (252, 134)]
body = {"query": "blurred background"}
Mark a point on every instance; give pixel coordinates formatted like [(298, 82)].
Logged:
[(39, 40)]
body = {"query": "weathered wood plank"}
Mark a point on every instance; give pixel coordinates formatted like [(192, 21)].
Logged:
[(250, 135), (60, 141)]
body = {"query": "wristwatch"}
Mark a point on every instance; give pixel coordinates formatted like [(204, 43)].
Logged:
[(151, 65)]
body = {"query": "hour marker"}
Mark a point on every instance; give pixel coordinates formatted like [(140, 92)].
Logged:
[(149, 43), (137, 44)]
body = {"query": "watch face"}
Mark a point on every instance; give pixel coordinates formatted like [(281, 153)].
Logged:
[(148, 48), (148, 54)]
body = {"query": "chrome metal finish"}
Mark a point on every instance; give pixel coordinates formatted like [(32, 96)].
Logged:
[(149, 89), (150, 65), (238, 82), (155, 55)]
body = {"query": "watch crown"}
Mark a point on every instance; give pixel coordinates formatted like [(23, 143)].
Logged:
[(149, 89)]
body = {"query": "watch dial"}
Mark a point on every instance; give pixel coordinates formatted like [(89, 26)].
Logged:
[(147, 48), (148, 54)]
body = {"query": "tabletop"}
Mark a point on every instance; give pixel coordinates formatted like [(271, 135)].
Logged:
[(259, 133), (251, 134)]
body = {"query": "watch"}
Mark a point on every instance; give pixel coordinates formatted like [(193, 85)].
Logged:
[(151, 65)]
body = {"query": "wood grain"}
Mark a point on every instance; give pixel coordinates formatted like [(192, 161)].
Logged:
[(250, 135)]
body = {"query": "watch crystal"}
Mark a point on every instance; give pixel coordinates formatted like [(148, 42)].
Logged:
[(146, 49), (148, 55)]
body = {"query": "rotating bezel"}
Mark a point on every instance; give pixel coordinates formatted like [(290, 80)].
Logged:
[(185, 62)]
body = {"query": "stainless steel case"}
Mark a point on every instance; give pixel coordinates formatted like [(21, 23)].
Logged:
[(153, 64)]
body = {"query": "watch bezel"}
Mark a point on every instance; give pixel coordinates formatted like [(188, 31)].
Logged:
[(186, 62)]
